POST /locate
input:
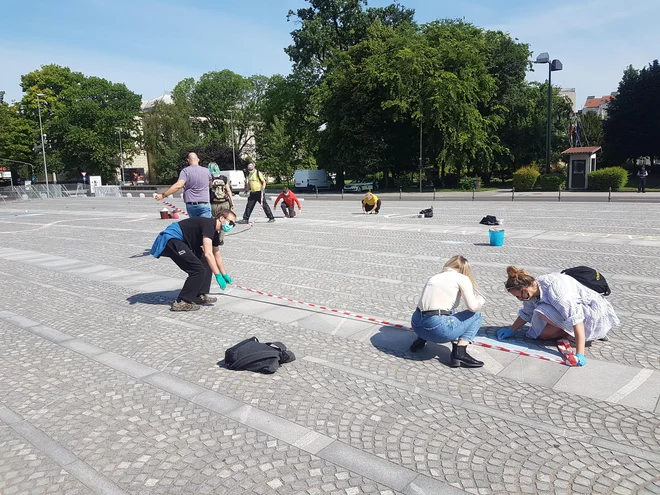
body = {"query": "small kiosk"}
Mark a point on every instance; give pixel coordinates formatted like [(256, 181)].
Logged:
[(581, 161)]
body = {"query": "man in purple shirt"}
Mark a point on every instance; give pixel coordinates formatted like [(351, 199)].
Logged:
[(195, 181)]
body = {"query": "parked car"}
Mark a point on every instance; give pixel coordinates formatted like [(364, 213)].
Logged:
[(360, 185), (305, 180)]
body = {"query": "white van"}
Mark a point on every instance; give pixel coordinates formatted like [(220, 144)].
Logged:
[(236, 179), (305, 180)]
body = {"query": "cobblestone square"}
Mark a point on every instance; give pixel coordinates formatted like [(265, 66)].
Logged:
[(104, 390)]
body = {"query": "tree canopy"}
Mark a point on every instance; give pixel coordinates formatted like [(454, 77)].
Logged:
[(633, 124)]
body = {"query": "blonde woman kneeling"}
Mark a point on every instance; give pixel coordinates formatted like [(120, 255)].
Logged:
[(435, 318)]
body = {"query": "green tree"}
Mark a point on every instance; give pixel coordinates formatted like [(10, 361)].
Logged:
[(524, 129), (277, 151), (168, 131), (329, 27), (80, 119), (591, 125), (18, 135), (633, 124), (222, 102), (285, 110)]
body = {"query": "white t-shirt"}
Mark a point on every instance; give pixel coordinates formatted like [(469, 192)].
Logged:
[(443, 292)]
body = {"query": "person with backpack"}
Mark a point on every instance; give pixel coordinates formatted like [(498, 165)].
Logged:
[(435, 318), (256, 185), (557, 306), (220, 194)]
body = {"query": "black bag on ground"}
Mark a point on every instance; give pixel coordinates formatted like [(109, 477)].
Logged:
[(252, 355), (589, 278), (428, 213), (489, 220)]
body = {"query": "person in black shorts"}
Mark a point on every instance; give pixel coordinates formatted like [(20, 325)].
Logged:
[(193, 244)]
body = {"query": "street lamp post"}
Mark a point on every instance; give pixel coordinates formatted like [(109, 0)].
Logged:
[(43, 146), (233, 153), (553, 66), (121, 158)]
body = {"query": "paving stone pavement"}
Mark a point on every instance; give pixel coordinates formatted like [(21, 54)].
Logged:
[(103, 390)]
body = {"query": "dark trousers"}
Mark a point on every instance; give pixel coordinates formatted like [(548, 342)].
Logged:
[(642, 185), (253, 199), (289, 211), (194, 264), (368, 208)]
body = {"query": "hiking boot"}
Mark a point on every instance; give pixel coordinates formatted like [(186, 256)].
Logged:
[(184, 306), (205, 299), (271, 220)]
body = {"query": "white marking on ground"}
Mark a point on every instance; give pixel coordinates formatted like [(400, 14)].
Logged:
[(637, 381)]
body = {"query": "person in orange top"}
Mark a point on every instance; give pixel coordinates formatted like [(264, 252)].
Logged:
[(288, 201)]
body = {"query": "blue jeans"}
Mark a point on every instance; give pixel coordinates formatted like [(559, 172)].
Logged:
[(203, 210), (441, 328)]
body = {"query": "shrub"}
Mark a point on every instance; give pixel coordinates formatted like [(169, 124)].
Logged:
[(551, 182), (603, 179), (525, 178), (559, 168), (467, 183)]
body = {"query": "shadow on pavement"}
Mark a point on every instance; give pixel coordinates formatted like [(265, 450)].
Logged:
[(396, 342), (164, 298), (147, 252)]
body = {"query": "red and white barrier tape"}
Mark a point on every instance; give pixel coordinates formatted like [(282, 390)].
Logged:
[(176, 208), (396, 325)]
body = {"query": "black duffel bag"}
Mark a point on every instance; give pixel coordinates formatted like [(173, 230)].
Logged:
[(252, 355)]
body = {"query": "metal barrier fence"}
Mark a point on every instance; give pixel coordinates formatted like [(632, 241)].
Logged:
[(30, 192), (107, 191)]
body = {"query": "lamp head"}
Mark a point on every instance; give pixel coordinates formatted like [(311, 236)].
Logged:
[(543, 58), (556, 65)]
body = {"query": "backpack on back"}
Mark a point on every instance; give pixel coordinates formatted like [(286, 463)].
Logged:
[(252, 355), (590, 278)]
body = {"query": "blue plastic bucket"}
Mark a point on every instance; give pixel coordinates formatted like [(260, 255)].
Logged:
[(496, 237)]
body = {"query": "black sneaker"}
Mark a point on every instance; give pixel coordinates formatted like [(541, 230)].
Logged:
[(244, 221), (271, 220)]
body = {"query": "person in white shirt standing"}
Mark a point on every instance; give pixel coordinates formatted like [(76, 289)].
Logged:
[(435, 318)]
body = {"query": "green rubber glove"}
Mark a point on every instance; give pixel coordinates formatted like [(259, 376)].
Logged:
[(221, 281), (227, 278)]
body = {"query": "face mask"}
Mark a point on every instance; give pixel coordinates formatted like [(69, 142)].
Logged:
[(286, 194), (226, 227)]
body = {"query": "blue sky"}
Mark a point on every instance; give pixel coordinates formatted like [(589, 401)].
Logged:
[(152, 44)]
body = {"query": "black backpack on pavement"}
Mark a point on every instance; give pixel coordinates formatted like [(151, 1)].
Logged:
[(489, 220), (589, 278), (252, 355)]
